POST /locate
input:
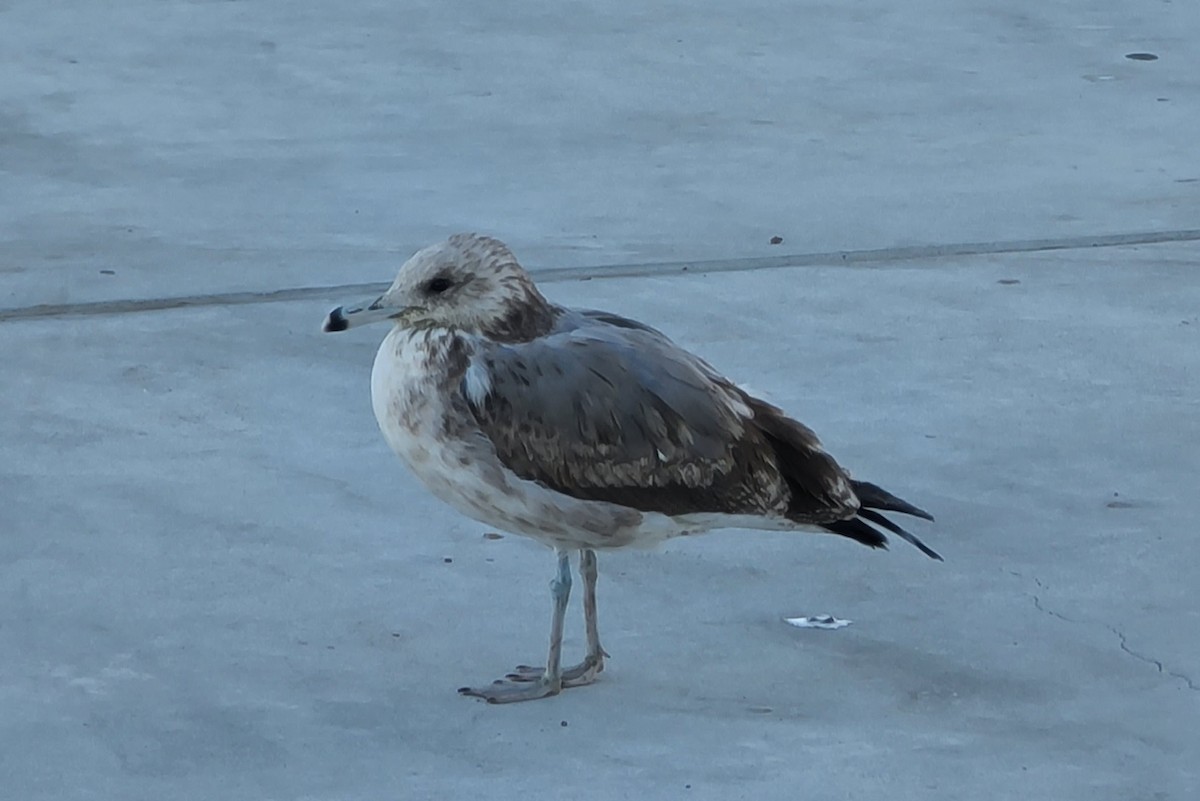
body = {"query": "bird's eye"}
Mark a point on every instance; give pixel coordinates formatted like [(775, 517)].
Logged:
[(437, 286)]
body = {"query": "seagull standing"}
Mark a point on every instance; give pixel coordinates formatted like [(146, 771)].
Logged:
[(585, 431)]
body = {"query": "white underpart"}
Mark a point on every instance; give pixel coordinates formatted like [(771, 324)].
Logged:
[(411, 412)]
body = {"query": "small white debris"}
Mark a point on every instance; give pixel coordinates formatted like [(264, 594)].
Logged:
[(818, 622)]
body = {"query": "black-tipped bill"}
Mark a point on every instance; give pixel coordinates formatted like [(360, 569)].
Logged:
[(356, 314), (336, 321)]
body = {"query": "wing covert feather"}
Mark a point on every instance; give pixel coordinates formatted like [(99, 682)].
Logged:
[(620, 413)]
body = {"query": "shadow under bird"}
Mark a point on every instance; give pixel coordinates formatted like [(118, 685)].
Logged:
[(586, 431)]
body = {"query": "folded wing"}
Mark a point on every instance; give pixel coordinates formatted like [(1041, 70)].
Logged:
[(611, 410)]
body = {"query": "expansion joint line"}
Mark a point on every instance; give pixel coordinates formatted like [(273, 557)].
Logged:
[(867, 257)]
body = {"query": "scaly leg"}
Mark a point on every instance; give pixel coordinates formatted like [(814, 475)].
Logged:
[(550, 681), (585, 672)]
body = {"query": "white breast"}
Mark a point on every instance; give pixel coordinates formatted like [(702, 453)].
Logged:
[(399, 371), (462, 469), (408, 406)]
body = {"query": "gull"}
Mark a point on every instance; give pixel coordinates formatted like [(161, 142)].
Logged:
[(586, 431)]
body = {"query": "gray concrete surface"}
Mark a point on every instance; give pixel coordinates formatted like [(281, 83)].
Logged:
[(208, 146), (216, 582)]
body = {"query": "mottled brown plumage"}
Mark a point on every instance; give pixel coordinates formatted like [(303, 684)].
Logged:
[(585, 430), (640, 423)]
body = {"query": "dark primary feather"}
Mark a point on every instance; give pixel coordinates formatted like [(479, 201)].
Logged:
[(806, 467), (880, 520), (607, 408), (876, 497), (798, 448), (857, 529)]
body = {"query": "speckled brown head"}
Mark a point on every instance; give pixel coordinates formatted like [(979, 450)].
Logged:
[(469, 282)]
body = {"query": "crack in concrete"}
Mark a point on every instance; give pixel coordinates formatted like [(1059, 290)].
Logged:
[(878, 256), (1122, 640), (1191, 685)]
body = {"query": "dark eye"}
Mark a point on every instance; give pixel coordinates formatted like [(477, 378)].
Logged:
[(437, 286)]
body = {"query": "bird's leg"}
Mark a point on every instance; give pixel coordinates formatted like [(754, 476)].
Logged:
[(560, 590), (548, 681), (585, 672)]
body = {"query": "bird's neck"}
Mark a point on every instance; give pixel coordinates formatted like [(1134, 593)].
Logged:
[(524, 318)]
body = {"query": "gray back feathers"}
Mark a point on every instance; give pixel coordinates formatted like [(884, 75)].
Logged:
[(605, 408)]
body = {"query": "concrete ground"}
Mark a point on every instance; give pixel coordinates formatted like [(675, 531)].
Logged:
[(216, 581)]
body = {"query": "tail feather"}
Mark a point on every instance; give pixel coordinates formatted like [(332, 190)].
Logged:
[(859, 531), (818, 485), (874, 500), (880, 520)]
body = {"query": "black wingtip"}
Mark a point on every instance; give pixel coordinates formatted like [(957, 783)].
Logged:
[(880, 520), (873, 496), (856, 529)]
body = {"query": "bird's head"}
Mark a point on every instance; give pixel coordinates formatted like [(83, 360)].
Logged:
[(468, 282)]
